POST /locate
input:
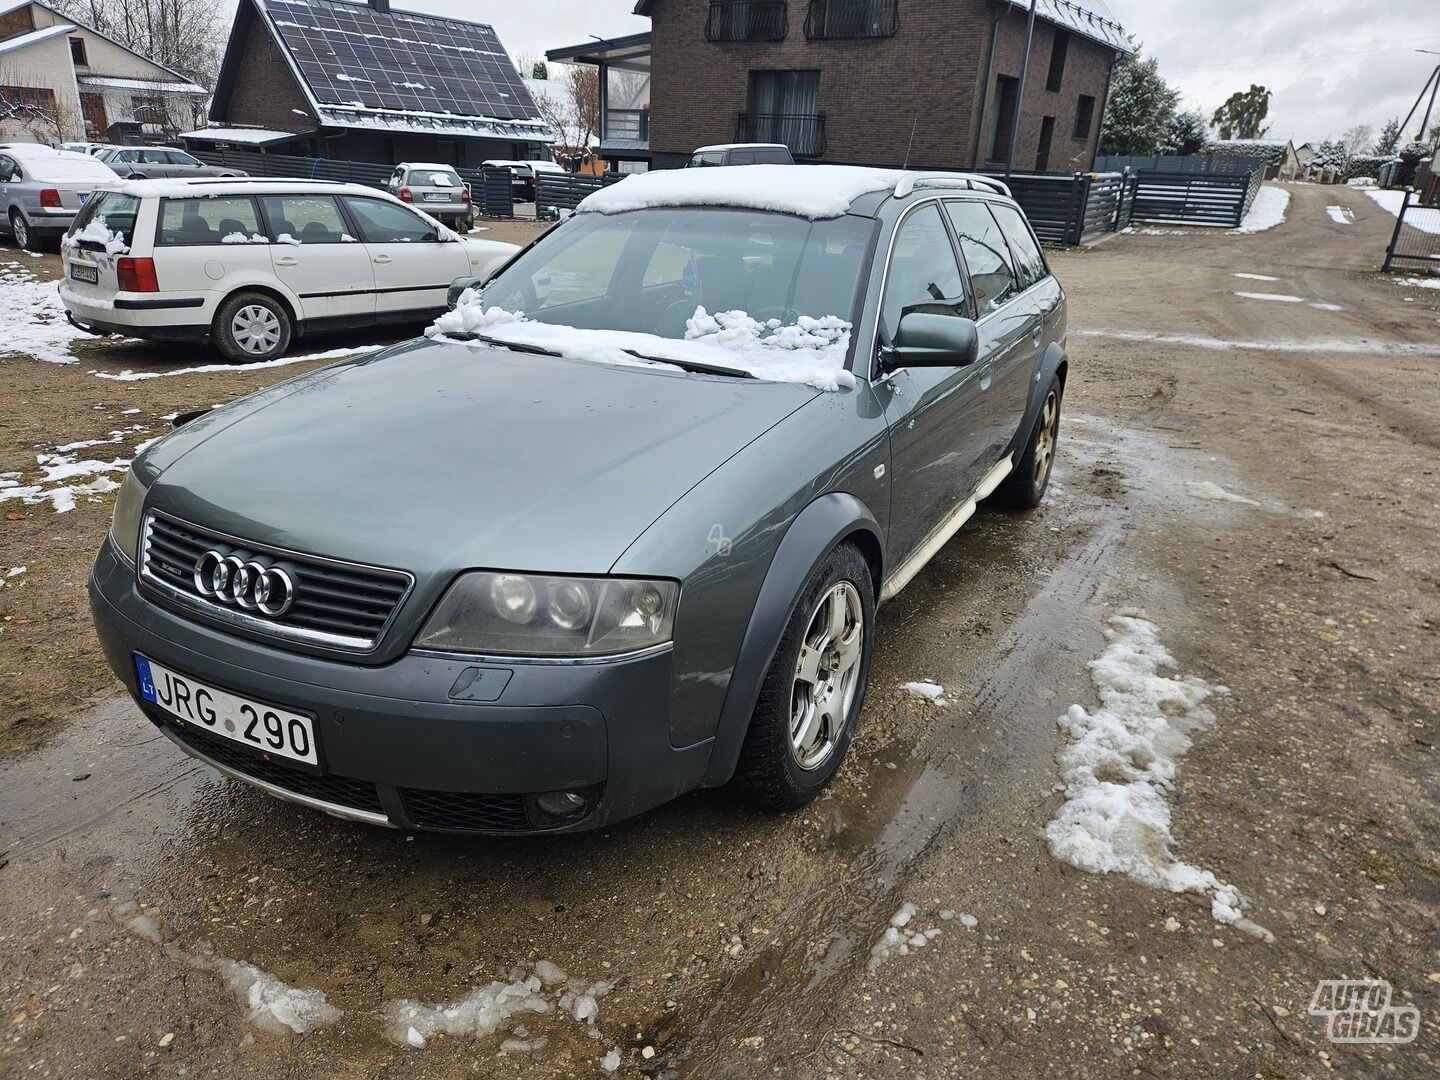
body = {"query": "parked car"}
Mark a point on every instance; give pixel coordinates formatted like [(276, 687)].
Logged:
[(150, 162), (43, 189), (740, 154), (86, 148), (545, 573), (437, 189), (252, 265), (523, 175)]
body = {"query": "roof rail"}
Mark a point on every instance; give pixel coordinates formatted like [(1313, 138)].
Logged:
[(909, 181)]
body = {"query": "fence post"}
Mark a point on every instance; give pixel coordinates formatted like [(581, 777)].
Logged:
[(1079, 200), (1399, 224)]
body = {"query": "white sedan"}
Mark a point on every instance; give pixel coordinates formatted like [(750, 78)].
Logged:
[(251, 265)]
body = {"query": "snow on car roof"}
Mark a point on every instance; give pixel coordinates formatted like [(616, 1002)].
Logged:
[(742, 146), (426, 165), (809, 191)]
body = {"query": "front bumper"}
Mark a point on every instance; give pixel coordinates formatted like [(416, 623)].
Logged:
[(420, 742)]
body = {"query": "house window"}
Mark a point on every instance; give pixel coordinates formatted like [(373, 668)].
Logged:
[(852, 18), (1002, 117), (1047, 135), (785, 108), (77, 52), (29, 100), (746, 20), (1058, 52), (1084, 116)]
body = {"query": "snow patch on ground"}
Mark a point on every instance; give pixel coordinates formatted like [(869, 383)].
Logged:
[(810, 191), (611, 1061), (1341, 215), (13, 572), (545, 989), (932, 692), (35, 322), (1267, 211), (60, 481), (1280, 298), (899, 939), (1121, 762), (1257, 277), (810, 351), (1336, 346), (1419, 283), (1391, 201), (283, 361), (1208, 489)]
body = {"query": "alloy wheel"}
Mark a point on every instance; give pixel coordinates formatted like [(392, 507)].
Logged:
[(22, 231), (1045, 441), (827, 675), (256, 329)]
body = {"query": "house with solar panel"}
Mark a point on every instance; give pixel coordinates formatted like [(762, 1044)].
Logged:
[(365, 82)]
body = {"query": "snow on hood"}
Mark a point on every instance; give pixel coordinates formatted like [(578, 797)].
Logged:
[(809, 191), (810, 351)]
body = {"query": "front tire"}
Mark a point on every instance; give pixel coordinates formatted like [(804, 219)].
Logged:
[(251, 327), (805, 717)]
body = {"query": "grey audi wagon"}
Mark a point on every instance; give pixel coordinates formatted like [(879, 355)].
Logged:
[(617, 527)]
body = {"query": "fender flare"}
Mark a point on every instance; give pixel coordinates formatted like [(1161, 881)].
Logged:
[(826, 522), (1054, 360)]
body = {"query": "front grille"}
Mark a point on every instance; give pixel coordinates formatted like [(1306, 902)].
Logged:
[(465, 810), (340, 790), (337, 604)]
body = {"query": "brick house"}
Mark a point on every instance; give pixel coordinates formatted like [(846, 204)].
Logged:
[(852, 80), (363, 82)]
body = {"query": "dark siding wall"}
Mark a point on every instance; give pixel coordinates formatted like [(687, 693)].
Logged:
[(931, 74)]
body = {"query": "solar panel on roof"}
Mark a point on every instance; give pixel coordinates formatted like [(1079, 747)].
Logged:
[(351, 54)]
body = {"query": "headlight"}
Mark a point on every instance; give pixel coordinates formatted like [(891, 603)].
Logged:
[(125, 525), (538, 615)]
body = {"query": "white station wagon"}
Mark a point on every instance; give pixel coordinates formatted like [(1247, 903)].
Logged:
[(252, 265)]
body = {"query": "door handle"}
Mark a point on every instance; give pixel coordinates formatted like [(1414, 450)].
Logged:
[(285, 260), (382, 258), (1035, 334)]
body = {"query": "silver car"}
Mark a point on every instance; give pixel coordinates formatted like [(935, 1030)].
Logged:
[(153, 162), (42, 189), (436, 189)]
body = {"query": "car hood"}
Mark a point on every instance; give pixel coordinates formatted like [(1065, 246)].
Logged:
[(435, 457)]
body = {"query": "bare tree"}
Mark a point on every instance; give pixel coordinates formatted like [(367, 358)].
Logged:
[(187, 36), (1357, 139), (36, 112), (570, 107)]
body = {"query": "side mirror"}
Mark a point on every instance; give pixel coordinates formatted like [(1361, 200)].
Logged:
[(925, 340), (458, 287)]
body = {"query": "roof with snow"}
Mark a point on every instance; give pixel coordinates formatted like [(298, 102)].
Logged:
[(1080, 19), (391, 70), (810, 191), (248, 136), (34, 37)]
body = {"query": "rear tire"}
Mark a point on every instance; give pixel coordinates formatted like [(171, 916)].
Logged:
[(1025, 487), (805, 717), (20, 228), (251, 327)]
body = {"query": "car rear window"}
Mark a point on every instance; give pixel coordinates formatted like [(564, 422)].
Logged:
[(209, 221), (441, 178), (114, 210)]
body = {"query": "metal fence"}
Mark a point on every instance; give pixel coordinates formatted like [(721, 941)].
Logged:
[(563, 191), (1178, 163), (1416, 239), (1195, 198)]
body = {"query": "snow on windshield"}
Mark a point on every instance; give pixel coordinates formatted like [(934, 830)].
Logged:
[(810, 350), (809, 191)]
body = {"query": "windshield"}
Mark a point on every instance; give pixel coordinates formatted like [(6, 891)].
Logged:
[(647, 271)]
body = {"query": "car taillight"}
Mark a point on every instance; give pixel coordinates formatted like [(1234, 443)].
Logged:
[(49, 197), (136, 275), (406, 195), (465, 194)]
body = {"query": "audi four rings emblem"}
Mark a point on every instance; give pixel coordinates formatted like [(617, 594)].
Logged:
[(251, 586)]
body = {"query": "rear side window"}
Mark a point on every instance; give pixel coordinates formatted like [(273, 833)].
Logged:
[(114, 210), (305, 219), (8, 169), (1029, 262), (924, 275), (385, 223), (226, 219), (742, 157), (986, 254), (773, 157)]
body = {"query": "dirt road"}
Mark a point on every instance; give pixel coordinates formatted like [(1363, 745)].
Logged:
[(1258, 473)]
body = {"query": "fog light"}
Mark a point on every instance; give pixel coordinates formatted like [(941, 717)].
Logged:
[(562, 804)]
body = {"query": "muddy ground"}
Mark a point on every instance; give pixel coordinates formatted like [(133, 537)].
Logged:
[(738, 942)]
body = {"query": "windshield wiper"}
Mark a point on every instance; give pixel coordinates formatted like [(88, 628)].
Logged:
[(514, 346), (693, 365)]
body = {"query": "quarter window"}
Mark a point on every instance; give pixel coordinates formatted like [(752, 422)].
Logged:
[(1029, 262), (305, 219), (385, 223), (207, 221), (7, 170), (986, 255), (924, 274)]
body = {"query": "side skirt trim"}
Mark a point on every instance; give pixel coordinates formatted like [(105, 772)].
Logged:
[(907, 570)]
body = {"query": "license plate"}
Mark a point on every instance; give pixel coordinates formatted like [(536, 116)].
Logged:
[(264, 728), (436, 196), (81, 272)]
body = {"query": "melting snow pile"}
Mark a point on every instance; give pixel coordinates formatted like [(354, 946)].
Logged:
[(809, 191), (97, 232), (899, 939), (1267, 211), (35, 322), (1391, 201), (61, 482), (1419, 283), (487, 1009), (1208, 489), (932, 692), (810, 351), (1120, 765)]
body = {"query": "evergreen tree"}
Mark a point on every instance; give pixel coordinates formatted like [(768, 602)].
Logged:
[(1187, 133), (1140, 107), (1389, 137)]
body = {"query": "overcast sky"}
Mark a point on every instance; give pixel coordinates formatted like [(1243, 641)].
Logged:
[(1331, 63)]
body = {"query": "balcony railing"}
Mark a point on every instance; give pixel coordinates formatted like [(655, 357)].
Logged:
[(803, 133), (747, 20), (852, 18), (632, 125)]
